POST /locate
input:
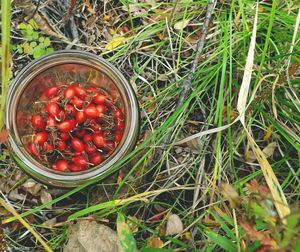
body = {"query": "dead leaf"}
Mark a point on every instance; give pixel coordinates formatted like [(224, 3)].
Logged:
[(155, 242), (32, 187), (114, 43), (45, 198), (269, 150), (15, 195), (231, 194), (3, 136), (261, 236), (50, 223), (249, 156), (181, 24), (174, 225)]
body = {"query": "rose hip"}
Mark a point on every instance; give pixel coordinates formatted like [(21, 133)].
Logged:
[(91, 111), (98, 139), (77, 128), (53, 109), (51, 91), (69, 92), (100, 99), (90, 148), (77, 145), (40, 137), (60, 165), (80, 161), (66, 126), (95, 158), (38, 122)]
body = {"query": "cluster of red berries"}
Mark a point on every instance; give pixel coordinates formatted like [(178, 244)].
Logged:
[(77, 127)]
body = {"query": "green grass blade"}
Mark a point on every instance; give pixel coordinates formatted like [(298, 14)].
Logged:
[(5, 27)]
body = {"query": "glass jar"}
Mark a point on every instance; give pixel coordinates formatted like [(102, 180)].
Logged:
[(24, 100)]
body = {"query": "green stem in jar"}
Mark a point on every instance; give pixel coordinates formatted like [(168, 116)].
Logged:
[(5, 55)]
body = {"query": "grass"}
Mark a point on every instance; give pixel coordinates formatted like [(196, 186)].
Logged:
[(186, 179)]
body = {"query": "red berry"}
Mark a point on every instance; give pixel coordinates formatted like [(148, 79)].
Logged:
[(48, 147), (78, 103), (98, 139), (80, 133), (61, 144), (32, 149), (53, 109), (55, 99), (51, 91), (87, 138), (69, 92), (77, 144), (80, 117), (118, 136), (119, 125), (101, 109), (75, 168), (100, 99), (90, 148), (91, 111), (80, 161), (40, 137), (38, 122), (66, 126), (51, 122), (70, 110), (80, 92), (61, 165), (118, 114), (95, 158)]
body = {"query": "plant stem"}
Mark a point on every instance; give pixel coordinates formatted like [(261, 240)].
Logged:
[(6, 10)]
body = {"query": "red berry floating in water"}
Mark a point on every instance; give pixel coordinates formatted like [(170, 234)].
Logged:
[(80, 92), (98, 139), (95, 158), (38, 122), (91, 111), (100, 99), (53, 109), (66, 126), (80, 161), (118, 136), (69, 92), (40, 137), (77, 145), (61, 165), (51, 91)]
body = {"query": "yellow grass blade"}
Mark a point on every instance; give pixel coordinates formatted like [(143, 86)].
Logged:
[(26, 225), (274, 186)]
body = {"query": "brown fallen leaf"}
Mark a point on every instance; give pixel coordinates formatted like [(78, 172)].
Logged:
[(231, 194), (174, 225), (181, 24), (45, 198), (261, 236), (155, 242), (4, 136)]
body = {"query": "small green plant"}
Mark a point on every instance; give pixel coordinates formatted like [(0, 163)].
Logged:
[(35, 44)]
